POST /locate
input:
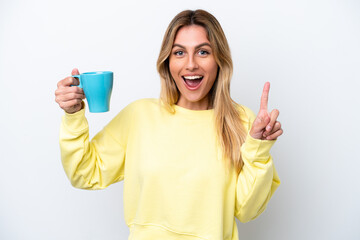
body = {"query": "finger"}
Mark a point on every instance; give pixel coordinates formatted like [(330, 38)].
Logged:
[(75, 71), (273, 117), (276, 127), (67, 82), (69, 104), (265, 96), (69, 97), (65, 90), (260, 122), (275, 135)]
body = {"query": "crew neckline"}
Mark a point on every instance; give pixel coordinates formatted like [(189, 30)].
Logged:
[(187, 111)]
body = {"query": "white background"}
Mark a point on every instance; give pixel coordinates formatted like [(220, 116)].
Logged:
[(308, 49)]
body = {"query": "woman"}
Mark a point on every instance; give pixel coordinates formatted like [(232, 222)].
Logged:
[(191, 161)]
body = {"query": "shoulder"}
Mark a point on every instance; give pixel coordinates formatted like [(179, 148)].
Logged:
[(246, 114), (144, 104), (133, 112), (141, 107)]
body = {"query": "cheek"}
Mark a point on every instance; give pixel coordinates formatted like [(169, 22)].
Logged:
[(173, 67), (213, 70)]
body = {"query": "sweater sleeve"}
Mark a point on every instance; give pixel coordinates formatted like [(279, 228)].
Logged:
[(97, 163), (258, 178)]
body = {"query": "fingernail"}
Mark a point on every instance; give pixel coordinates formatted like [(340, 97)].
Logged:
[(268, 128)]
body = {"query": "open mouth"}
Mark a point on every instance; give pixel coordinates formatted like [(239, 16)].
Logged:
[(192, 81)]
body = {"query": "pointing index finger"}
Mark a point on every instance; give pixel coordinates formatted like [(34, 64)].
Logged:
[(265, 96)]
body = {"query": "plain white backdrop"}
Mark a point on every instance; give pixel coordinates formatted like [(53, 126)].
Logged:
[(308, 49)]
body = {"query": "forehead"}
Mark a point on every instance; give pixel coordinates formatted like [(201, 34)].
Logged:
[(192, 35)]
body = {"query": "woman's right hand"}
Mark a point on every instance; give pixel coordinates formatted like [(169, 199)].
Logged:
[(70, 97)]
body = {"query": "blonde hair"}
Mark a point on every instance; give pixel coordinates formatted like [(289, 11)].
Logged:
[(230, 131)]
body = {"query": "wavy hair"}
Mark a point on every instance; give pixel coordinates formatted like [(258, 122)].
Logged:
[(230, 131)]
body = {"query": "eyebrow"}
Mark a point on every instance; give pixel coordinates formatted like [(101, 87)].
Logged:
[(198, 46)]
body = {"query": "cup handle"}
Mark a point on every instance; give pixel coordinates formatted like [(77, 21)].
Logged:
[(77, 76)]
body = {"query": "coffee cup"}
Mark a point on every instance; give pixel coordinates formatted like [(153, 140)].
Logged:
[(97, 87)]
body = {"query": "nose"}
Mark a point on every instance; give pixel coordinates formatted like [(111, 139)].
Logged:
[(191, 63)]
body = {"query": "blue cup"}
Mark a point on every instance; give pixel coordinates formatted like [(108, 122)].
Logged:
[(97, 87)]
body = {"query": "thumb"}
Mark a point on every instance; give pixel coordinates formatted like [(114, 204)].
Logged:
[(75, 71), (260, 123)]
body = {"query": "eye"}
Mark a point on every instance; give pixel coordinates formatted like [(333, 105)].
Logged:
[(203, 53), (178, 53)]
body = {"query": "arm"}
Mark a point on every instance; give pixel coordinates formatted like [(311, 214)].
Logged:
[(97, 163), (257, 180)]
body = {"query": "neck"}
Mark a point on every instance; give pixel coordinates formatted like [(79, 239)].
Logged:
[(203, 104)]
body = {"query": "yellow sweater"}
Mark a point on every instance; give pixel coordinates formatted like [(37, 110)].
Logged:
[(175, 183)]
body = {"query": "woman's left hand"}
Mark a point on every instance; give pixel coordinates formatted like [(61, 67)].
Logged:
[(265, 125)]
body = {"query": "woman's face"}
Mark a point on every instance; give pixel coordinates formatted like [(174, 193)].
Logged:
[(193, 67)]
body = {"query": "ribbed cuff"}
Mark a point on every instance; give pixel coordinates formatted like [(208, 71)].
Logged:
[(75, 122), (256, 148)]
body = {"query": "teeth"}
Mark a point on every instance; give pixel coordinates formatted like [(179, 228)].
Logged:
[(192, 77)]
